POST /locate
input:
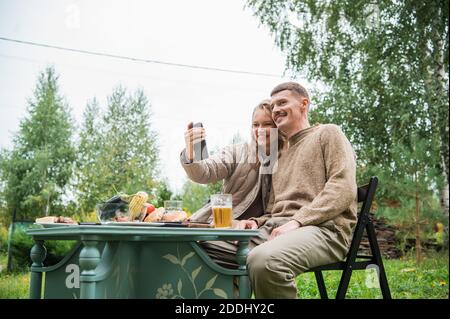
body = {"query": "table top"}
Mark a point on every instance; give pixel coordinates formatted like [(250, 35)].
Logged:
[(138, 233)]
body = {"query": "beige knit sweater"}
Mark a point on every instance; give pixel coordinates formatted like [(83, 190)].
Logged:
[(315, 182)]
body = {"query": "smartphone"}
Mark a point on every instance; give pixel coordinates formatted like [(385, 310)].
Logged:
[(200, 149)]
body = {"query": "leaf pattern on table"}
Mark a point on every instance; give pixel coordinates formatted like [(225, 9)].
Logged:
[(196, 272), (179, 286), (220, 293), (166, 291), (172, 259), (185, 258), (210, 283)]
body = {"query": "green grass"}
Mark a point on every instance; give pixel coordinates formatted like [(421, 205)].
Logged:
[(14, 286), (406, 280)]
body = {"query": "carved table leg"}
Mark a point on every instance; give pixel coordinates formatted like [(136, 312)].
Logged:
[(89, 260), (244, 283), (37, 254)]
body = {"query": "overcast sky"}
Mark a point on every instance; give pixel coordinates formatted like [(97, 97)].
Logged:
[(214, 33)]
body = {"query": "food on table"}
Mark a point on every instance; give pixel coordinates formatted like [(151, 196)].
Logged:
[(137, 203), (155, 216), (147, 209), (121, 219), (123, 208), (129, 208), (174, 216), (150, 208), (48, 219), (114, 209), (161, 215), (55, 220)]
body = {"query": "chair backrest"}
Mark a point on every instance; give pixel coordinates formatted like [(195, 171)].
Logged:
[(366, 194)]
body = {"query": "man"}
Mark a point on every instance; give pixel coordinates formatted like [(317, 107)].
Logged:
[(312, 210)]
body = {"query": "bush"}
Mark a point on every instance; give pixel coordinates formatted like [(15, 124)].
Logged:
[(21, 244), (401, 214), (3, 239), (85, 217)]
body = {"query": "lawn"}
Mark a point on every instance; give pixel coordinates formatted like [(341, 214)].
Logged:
[(406, 280)]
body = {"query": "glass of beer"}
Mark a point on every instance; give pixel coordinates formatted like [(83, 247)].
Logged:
[(222, 208)]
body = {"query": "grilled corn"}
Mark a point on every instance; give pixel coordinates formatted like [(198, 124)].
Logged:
[(137, 203)]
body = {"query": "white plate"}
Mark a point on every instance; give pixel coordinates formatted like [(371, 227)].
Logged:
[(132, 224), (51, 225)]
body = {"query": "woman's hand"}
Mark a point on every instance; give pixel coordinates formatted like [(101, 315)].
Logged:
[(246, 224), (192, 136)]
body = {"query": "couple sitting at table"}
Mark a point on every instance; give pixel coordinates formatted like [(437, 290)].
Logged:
[(294, 182)]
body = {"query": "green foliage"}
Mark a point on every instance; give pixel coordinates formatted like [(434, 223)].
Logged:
[(3, 239), (411, 190), (215, 188), (85, 216), (383, 67), (381, 73), (194, 196), (406, 281), (117, 150), (88, 167), (4, 216), (418, 177), (14, 285), (36, 172), (399, 213), (162, 193), (21, 244)]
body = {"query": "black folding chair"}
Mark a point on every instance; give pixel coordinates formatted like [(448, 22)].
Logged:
[(365, 195)]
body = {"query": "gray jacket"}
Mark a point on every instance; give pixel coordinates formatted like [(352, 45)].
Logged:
[(235, 165)]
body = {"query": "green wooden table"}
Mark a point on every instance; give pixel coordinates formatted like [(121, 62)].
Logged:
[(137, 262)]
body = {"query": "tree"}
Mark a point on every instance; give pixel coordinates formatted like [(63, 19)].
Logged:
[(36, 172), (89, 150), (162, 194), (215, 188), (383, 68), (414, 182), (118, 152), (129, 149), (194, 196)]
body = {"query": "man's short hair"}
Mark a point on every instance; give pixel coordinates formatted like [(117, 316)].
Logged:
[(291, 86)]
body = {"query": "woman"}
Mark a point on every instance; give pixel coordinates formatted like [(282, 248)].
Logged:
[(239, 166)]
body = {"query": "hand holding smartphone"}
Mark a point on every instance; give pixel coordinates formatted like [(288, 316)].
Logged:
[(195, 145), (200, 149)]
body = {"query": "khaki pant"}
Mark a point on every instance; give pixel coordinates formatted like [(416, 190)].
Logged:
[(273, 265)]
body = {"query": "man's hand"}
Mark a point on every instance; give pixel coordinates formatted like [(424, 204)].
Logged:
[(246, 224), (291, 225), (192, 136)]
